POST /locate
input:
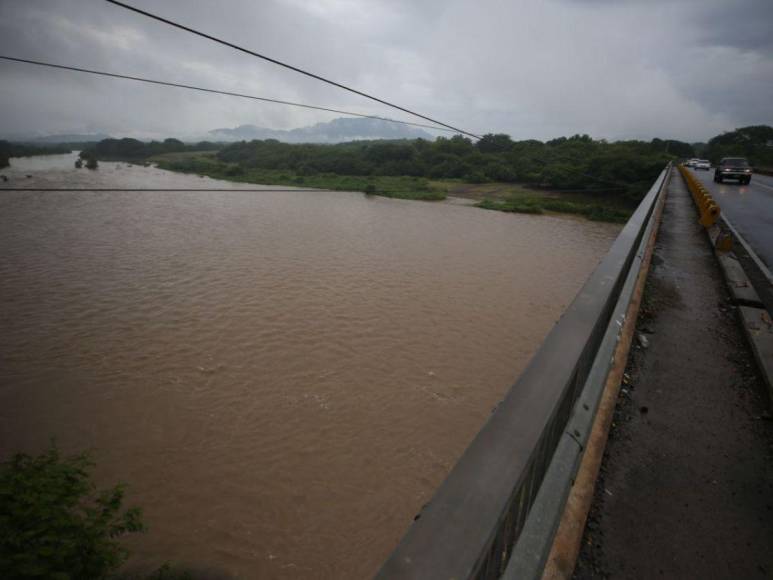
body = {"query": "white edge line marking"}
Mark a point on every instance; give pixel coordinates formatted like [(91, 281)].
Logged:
[(748, 249)]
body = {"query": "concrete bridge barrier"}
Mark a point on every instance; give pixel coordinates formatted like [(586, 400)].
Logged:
[(708, 208), (497, 512)]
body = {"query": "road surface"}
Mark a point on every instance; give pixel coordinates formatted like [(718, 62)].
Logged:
[(748, 207)]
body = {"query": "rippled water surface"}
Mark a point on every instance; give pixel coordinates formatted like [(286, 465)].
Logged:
[(282, 378)]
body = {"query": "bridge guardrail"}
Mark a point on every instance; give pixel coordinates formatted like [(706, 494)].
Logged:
[(497, 511)]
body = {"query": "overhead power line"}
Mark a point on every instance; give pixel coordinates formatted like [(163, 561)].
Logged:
[(219, 92), (288, 66)]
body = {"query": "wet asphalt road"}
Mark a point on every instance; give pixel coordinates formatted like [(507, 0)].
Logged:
[(748, 207)]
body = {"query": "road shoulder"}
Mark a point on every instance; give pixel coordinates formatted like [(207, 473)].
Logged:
[(686, 485)]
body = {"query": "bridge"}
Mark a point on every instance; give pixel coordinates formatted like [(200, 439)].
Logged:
[(515, 504)]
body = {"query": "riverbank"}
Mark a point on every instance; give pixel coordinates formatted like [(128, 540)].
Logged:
[(540, 204), (8, 150), (398, 187), (516, 198), (506, 197)]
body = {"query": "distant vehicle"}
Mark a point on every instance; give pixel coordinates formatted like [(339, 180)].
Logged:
[(691, 162), (733, 168), (702, 164)]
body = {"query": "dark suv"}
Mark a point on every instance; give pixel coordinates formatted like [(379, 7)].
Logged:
[(733, 168)]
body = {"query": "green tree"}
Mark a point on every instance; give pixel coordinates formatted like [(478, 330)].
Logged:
[(172, 144), (754, 142), (55, 523), (8, 150), (491, 143)]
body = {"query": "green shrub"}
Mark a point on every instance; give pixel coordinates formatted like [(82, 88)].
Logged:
[(476, 177), (55, 524)]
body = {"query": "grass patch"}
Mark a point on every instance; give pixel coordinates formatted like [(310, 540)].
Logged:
[(514, 206), (399, 187), (535, 204), (480, 191), (516, 198)]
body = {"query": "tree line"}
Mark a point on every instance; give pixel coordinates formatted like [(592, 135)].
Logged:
[(620, 168), (577, 162), (8, 150), (573, 163), (754, 142), (128, 149)]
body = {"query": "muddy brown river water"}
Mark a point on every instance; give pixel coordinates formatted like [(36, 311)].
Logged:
[(281, 378)]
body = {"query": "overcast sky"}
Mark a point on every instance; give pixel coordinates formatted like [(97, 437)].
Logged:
[(615, 69)]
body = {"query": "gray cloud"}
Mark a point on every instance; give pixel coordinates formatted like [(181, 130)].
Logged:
[(742, 24), (685, 69)]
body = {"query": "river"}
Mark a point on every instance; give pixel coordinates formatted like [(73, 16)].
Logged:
[(282, 378)]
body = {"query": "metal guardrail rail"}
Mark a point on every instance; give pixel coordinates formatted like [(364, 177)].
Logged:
[(497, 511)]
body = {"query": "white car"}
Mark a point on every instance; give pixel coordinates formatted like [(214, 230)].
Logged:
[(691, 162), (702, 164)]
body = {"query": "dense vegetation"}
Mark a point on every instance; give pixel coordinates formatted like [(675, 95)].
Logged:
[(55, 523), (398, 186), (754, 142), (615, 174), (8, 150), (577, 163), (128, 149)]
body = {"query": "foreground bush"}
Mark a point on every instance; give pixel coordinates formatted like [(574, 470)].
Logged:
[(54, 523)]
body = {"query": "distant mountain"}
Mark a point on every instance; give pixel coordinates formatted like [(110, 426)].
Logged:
[(335, 131)]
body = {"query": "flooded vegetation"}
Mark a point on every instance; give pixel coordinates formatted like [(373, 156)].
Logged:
[(282, 378)]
